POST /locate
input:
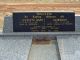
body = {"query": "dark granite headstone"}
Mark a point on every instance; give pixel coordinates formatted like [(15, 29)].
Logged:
[(43, 21), (8, 24)]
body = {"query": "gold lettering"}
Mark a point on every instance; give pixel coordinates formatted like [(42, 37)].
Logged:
[(45, 13), (36, 16)]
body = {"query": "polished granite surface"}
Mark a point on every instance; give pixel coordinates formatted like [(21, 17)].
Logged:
[(69, 47), (14, 48)]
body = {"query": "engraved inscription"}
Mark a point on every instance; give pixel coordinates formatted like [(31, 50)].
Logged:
[(43, 22)]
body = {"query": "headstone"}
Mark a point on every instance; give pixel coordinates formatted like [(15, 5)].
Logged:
[(8, 24), (43, 21)]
